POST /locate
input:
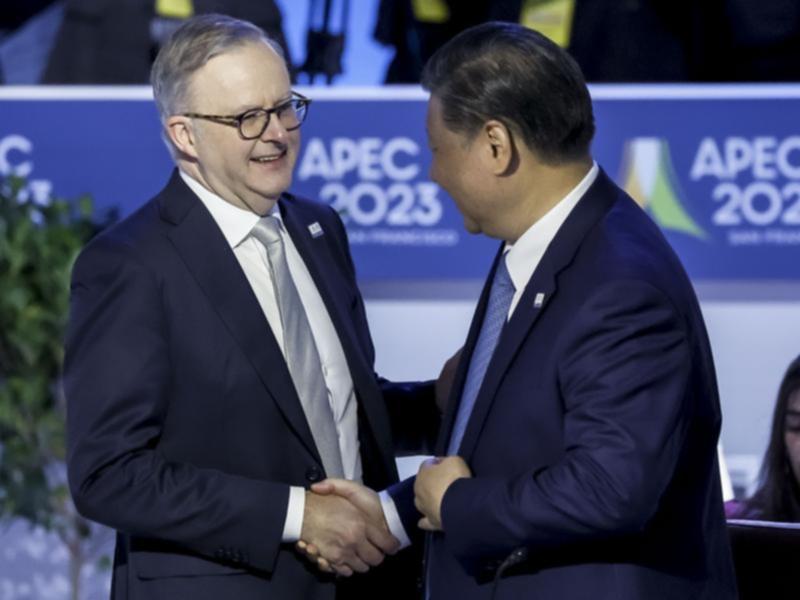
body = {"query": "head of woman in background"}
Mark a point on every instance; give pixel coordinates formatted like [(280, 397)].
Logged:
[(778, 495)]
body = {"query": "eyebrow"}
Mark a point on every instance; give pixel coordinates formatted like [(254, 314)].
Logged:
[(243, 108)]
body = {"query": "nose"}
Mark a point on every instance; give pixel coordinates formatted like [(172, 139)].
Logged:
[(275, 131)]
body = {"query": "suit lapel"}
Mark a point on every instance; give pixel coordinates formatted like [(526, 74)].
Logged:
[(540, 291), (339, 301), (207, 255), (454, 399)]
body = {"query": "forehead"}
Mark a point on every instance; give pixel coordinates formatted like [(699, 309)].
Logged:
[(252, 69), (433, 116), (436, 127)]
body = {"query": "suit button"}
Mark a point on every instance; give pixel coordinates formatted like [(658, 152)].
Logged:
[(313, 474)]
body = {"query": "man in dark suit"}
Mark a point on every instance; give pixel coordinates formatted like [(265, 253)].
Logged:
[(582, 428), (218, 359)]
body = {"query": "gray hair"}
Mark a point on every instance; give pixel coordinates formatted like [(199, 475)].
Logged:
[(191, 46)]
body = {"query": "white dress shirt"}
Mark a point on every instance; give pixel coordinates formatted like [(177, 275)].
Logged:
[(522, 258), (236, 225)]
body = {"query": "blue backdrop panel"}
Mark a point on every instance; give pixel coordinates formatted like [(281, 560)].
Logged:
[(718, 168)]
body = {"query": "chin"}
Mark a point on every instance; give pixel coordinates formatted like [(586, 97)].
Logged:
[(276, 187), (269, 182), (262, 206), (270, 193), (472, 226)]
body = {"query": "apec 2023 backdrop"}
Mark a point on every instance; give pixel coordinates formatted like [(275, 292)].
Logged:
[(717, 167)]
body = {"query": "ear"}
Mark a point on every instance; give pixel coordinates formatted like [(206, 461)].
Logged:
[(499, 146), (181, 133)]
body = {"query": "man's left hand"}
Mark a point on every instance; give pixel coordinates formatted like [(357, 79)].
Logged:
[(434, 477)]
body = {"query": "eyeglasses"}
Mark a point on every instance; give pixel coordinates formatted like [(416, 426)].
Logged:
[(253, 123)]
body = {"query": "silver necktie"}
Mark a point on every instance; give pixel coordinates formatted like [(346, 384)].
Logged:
[(301, 355)]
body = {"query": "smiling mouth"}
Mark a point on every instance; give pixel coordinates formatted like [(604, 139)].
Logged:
[(267, 158)]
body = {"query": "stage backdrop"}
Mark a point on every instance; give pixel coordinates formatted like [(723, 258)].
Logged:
[(718, 168)]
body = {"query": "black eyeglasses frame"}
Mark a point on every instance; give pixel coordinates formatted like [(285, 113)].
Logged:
[(300, 102)]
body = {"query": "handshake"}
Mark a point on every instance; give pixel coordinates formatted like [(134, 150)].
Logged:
[(344, 526)]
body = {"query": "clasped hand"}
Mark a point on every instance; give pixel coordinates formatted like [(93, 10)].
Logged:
[(344, 529), (434, 478)]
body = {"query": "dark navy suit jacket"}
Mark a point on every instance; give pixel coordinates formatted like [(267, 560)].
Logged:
[(184, 428), (593, 438)]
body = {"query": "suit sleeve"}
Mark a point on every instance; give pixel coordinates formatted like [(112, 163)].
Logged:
[(117, 383), (402, 494), (414, 416), (623, 377)]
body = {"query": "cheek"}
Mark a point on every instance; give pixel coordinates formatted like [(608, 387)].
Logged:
[(433, 170), (792, 441), (294, 146), (447, 175), (292, 140)]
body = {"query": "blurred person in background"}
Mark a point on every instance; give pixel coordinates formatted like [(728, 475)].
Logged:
[(116, 41), (16, 12), (613, 40), (25, 38), (778, 495), (759, 41), (644, 40)]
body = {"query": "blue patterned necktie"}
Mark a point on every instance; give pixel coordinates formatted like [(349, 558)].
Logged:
[(496, 315)]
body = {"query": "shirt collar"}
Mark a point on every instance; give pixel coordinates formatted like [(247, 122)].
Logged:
[(524, 255), (234, 222)]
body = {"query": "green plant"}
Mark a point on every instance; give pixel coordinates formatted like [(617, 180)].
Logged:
[(38, 245)]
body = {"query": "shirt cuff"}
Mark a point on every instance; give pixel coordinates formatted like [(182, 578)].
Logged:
[(293, 526), (393, 519)]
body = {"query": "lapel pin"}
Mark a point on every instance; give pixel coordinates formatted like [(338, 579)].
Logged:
[(315, 229), (538, 300)]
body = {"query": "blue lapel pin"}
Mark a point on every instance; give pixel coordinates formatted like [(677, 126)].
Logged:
[(315, 229)]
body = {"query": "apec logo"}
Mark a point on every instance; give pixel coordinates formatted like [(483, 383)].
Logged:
[(15, 151), (757, 187), (375, 185), (649, 178)]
